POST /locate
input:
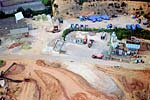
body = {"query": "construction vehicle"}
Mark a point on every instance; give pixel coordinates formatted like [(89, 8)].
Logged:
[(138, 60), (97, 56), (55, 29), (3, 77), (85, 39), (90, 43)]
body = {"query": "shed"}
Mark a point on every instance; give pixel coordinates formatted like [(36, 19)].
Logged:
[(132, 45), (20, 32)]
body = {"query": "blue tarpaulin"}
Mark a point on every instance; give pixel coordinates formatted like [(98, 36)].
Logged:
[(133, 27), (72, 26), (99, 19), (81, 18), (145, 23), (138, 26), (133, 17), (128, 26), (109, 26), (105, 17)]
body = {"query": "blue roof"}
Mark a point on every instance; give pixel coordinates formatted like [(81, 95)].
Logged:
[(145, 23)]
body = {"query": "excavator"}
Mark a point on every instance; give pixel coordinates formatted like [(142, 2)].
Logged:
[(3, 75), (4, 79)]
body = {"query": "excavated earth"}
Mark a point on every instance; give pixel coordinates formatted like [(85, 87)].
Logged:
[(52, 81)]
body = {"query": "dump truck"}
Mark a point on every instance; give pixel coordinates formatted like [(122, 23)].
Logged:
[(97, 56)]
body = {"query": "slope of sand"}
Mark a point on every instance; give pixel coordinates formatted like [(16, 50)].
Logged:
[(134, 83), (44, 82)]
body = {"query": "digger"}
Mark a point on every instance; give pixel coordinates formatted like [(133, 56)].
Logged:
[(3, 75)]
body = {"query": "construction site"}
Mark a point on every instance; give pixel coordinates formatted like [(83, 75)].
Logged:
[(76, 56)]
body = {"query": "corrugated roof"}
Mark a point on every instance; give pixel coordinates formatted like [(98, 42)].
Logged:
[(133, 46), (19, 31)]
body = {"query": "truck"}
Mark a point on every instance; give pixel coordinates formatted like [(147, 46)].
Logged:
[(90, 43)]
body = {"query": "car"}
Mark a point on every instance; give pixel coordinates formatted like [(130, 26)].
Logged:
[(97, 56), (90, 43)]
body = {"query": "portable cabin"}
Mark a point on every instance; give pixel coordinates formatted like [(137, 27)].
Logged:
[(133, 45)]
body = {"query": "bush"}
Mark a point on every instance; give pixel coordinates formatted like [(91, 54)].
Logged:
[(20, 9), (2, 14), (2, 63), (44, 17), (28, 13), (121, 33)]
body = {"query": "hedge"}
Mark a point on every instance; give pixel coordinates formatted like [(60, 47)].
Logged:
[(122, 33)]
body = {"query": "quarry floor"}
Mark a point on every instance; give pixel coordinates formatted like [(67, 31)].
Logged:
[(55, 76)]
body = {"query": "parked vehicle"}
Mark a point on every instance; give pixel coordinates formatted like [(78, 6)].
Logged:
[(85, 39), (55, 29), (103, 36), (90, 43), (138, 60), (97, 56)]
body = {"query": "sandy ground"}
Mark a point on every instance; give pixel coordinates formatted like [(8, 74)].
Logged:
[(48, 82), (45, 80)]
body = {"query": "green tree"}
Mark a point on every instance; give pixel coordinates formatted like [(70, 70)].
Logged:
[(45, 1), (28, 13), (20, 9), (2, 14)]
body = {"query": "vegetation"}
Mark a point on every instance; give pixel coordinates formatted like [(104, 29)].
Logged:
[(2, 63), (45, 1), (121, 33), (26, 46), (2, 14), (26, 12)]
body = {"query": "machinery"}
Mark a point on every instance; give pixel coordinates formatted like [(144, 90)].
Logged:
[(85, 39), (138, 60), (90, 43), (55, 29), (97, 56), (4, 78)]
